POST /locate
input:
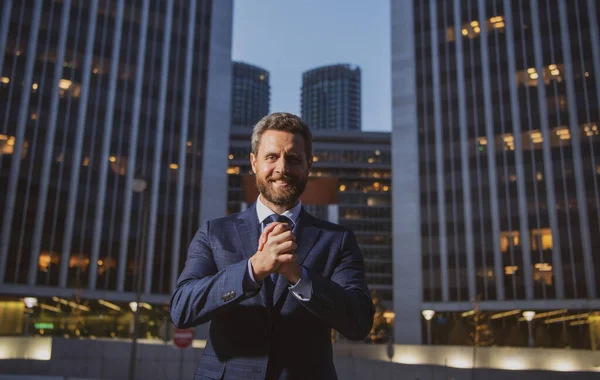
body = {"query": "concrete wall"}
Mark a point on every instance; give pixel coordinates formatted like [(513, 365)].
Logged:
[(109, 359)]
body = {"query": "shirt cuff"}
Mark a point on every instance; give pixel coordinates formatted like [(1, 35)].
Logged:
[(303, 288), (249, 284)]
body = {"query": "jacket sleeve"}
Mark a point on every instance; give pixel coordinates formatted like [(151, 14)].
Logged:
[(343, 301), (202, 291)]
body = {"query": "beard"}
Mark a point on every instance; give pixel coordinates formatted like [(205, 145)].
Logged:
[(287, 195)]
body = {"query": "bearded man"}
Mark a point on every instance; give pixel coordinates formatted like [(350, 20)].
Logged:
[(273, 279)]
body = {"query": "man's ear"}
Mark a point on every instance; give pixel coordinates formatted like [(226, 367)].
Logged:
[(253, 162)]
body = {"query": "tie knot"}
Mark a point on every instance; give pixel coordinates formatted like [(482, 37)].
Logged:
[(277, 218)]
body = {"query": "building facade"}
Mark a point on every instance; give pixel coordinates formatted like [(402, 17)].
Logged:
[(360, 161), (250, 94), (331, 98), (114, 113), (496, 170)]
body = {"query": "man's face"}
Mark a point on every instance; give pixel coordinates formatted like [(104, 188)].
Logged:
[(281, 167)]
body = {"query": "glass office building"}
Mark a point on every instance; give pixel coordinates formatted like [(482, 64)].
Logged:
[(496, 112), (331, 98), (250, 94), (113, 115)]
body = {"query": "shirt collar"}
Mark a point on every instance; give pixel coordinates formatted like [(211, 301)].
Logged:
[(263, 211)]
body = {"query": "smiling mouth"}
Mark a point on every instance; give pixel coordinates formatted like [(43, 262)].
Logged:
[(280, 183)]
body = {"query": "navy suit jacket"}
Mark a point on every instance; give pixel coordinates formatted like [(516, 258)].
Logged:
[(270, 333)]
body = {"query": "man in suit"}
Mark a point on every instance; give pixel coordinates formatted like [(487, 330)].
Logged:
[(273, 280)]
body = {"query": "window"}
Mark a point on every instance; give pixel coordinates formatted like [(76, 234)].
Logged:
[(529, 77), (472, 29), (541, 236), (508, 239), (542, 272)]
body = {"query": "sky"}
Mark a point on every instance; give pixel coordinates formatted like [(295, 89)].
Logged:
[(289, 37)]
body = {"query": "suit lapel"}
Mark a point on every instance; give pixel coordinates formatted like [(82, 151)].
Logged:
[(306, 234), (248, 231)]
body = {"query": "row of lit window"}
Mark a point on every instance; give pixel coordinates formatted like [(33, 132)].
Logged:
[(540, 239), (542, 272), (473, 29), (65, 86), (558, 135), (530, 77)]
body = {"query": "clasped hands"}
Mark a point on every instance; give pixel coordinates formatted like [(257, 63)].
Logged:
[(276, 253)]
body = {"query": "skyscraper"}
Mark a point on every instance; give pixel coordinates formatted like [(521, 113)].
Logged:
[(250, 95), (496, 170), (331, 98), (114, 114)]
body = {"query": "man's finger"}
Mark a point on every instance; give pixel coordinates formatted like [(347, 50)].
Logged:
[(287, 258), (265, 235)]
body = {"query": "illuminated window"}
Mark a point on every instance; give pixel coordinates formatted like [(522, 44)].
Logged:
[(509, 142), (564, 133), (590, 129), (542, 272), (472, 29), (174, 166), (233, 170), (543, 236), (510, 270), (46, 258), (536, 137), (65, 84), (508, 239), (7, 146), (529, 77), (5, 80), (497, 22), (118, 166)]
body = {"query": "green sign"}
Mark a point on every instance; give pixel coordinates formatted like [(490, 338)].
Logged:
[(44, 325)]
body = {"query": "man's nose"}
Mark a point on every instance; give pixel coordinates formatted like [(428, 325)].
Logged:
[(282, 165)]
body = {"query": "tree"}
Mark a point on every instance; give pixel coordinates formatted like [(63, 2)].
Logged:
[(381, 329), (482, 334)]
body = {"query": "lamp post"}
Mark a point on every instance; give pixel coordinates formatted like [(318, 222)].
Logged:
[(138, 185), (528, 315), (30, 303), (428, 314)]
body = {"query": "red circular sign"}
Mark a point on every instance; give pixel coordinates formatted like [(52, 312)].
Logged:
[(183, 337)]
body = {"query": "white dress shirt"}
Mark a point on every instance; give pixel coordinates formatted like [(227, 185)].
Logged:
[(303, 288)]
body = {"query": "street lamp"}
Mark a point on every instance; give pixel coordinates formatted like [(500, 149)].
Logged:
[(30, 303), (138, 185), (528, 315), (428, 314)]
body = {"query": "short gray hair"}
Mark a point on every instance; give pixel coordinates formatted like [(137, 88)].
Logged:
[(286, 122)]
